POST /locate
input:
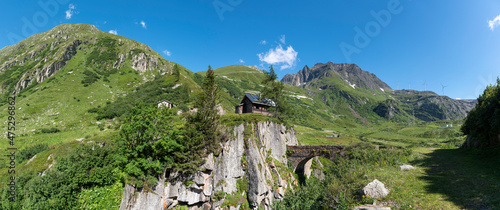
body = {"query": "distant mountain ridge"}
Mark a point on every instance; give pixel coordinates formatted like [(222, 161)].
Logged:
[(332, 81), (429, 106), (350, 73)]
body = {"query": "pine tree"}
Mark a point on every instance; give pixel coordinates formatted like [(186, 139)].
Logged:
[(273, 89), (207, 102), (177, 73), (202, 129)]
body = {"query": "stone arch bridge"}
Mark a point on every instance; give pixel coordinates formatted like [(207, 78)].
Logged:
[(299, 155)]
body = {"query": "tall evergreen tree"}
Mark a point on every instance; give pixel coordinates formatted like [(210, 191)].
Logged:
[(177, 73), (208, 116), (273, 89), (202, 130)]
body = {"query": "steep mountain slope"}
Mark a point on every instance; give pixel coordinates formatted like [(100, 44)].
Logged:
[(59, 75), (42, 55)]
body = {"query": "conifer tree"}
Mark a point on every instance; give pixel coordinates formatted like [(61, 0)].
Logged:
[(177, 73), (202, 130), (273, 89)]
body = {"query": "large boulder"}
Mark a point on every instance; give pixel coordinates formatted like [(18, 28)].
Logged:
[(406, 167), (375, 189)]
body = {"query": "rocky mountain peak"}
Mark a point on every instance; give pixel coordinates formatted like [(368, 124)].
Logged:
[(352, 74)]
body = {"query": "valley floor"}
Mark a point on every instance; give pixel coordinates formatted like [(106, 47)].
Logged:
[(444, 179)]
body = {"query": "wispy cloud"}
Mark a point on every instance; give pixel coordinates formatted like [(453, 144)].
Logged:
[(143, 24), (494, 23), (115, 32), (282, 39), (166, 52), (241, 61), (71, 11), (263, 42), (279, 56)]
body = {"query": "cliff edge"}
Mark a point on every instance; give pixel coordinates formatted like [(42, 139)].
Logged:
[(250, 171)]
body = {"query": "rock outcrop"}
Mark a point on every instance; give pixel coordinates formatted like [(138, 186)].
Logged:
[(249, 170), (429, 106), (387, 109), (406, 167), (375, 189)]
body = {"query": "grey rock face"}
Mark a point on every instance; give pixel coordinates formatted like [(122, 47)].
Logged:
[(275, 137), (142, 62), (132, 199), (375, 189), (257, 186)]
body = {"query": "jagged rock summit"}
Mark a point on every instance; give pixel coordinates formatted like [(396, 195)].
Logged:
[(350, 73)]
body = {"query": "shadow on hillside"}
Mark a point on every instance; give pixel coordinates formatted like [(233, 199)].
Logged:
[(470, 179)]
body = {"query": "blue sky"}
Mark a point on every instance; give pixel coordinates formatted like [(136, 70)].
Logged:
[(406, 43)]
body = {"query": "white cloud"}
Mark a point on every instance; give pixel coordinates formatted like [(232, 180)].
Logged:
[(166, 52), (115, 32), (70, 12), (282, 39), (143, 24), (263, 42), (279, 56), (241, 61), (494, 23)]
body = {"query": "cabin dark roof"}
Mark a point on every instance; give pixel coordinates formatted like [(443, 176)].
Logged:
[(255, 99), (165, 101)]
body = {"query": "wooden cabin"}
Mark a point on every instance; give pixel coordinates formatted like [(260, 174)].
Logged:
[(165, 103), (253, 104)]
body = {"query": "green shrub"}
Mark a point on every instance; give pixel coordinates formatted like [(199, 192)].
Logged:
[(483, 121), (106, 197), (89, 78), (51, 130), (87, 166), (219, 195), (150, 140), (242, 184), (29, 152)]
